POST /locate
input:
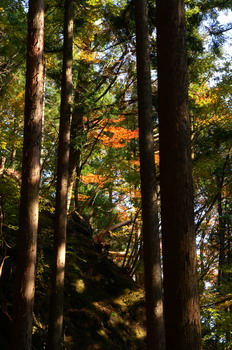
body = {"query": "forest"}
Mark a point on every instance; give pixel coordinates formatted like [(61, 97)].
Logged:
[(115, 175)]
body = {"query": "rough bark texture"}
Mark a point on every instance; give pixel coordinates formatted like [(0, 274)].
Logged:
[(181, 309), (28, 219), (151, 241), (55, 334)]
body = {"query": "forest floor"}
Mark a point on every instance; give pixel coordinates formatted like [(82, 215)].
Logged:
[(104, 308)]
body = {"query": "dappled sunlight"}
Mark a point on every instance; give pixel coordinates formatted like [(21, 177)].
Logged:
[(140, 332), (106, 308), (59, 321), (159, 309), (61, 255), (91, 289), (80, 286), (28, 289)]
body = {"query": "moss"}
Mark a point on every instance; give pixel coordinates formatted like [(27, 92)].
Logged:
[(104, 308)]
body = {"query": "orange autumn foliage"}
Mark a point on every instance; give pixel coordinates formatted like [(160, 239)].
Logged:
[(119, 136), (135, 193), (93, 179), (136, 163), (157, 158), (82, 197)]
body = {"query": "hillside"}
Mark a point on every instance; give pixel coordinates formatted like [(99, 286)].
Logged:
[(104, 308)]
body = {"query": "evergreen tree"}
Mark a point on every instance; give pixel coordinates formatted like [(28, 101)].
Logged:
[(151, 246), (181, 308), (58, 273), (28, 220)]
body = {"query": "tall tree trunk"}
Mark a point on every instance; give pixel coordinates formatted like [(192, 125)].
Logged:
[(181, 306), (28, 217), (221, 232), (75, 151), (55, 331), (151, 240)]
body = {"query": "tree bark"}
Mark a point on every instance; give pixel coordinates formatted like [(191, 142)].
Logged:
[(55, 333), (75, 152), (151, 240), (181, 307), (221, 232), (28, 216)]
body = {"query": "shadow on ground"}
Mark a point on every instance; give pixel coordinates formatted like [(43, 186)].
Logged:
[(104, 307)]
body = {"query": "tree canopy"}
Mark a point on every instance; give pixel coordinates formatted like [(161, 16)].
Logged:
[(104, 195)]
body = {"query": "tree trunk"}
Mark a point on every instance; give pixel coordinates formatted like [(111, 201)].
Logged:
[(28, 217), (55, 333), (181, 306), (75, 151), (151, 240), (221, 231)]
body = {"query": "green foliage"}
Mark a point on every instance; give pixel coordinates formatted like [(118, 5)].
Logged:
[(105, 99), (211, 111), (9, 196), (12, 39)]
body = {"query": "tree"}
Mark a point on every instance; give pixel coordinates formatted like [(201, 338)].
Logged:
[(104, 153), (181, 309), (151, 246), (75, 153), (28, 221), (212, 163), (58, 271)]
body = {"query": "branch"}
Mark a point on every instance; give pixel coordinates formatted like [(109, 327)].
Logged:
[(218, 302), (92, 148), (117, 254), (98, 237), (115, 78), (11, 173)]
